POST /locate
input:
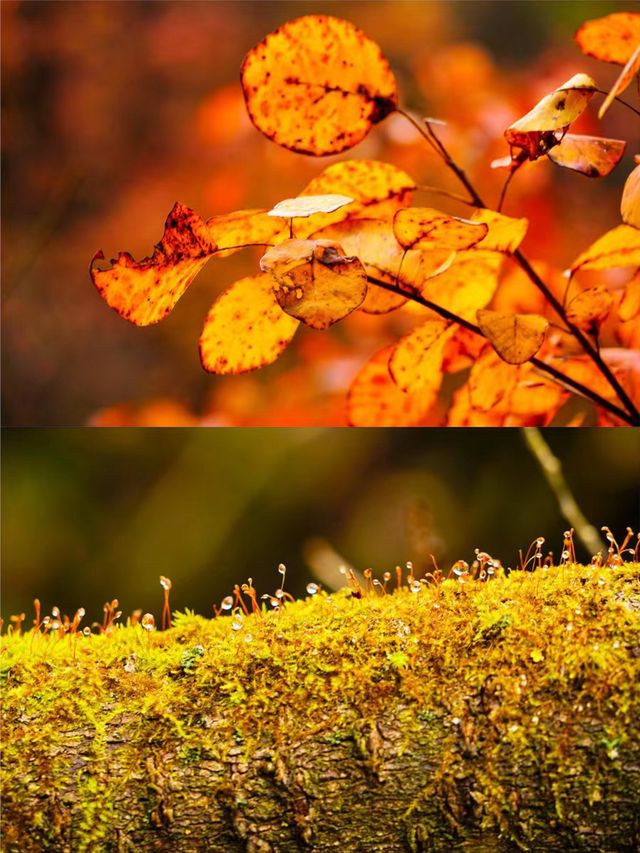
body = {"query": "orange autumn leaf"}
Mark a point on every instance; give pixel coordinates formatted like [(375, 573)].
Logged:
[(241, 228), (518, 295), (582, 369), (592, 156), (612, 38), (415, 363), (544, 126), (377, 189), (317, 85), (630, 204), (426, 228), (515, 337), (462, 350), (503, 389), (623, 81), (246, 328), (315, 282), (629, 314), (373, 242), (306, 205), (145, 291), (505, 232), (619, 247), (467, 285), (590, 308), (375, 400)]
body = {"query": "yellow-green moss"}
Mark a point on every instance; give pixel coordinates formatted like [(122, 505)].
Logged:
[(483, 674)]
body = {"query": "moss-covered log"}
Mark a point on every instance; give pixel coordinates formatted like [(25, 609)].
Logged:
[(466, 717)]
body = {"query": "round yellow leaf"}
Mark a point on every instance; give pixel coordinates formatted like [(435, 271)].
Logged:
[(314, 281), (246, 328), (317, 85), (515, 337)]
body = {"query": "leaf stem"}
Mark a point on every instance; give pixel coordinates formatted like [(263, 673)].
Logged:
[(622, 101), (552, 470), (525, 265), (560, 377), (427, 189)]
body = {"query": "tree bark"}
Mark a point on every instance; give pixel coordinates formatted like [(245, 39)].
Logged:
[(463, 718)]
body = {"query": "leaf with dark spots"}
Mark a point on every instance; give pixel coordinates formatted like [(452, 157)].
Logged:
[(317, 85), (145, 291), (246, 328)]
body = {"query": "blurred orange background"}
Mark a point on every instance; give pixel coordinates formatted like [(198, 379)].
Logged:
[(113, 111)]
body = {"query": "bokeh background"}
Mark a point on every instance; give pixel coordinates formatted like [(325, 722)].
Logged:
[(113, 111), (89, 515)]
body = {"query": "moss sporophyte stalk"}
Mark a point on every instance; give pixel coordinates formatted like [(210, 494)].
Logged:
[(469, 709)]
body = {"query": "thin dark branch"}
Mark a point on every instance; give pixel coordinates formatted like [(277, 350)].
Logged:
[(621, 100), (585, 343), (560, 377), (418, 127)]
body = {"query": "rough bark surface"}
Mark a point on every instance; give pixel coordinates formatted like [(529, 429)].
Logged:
[(463, 718)]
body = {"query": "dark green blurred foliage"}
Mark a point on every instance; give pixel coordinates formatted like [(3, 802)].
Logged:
[(89, 515)]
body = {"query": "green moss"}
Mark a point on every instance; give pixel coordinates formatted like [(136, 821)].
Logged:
[(479, 673)]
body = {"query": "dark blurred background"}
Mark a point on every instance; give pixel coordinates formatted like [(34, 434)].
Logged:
[(112, 111), (89, 515)]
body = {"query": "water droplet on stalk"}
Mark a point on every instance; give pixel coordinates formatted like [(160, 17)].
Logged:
[(312, 588), (148, 622), (227, 603)]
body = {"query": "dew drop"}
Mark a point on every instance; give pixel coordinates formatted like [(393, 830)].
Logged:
[(415, 586), (540, 541), (456, 721), (86, 632), (80, 613), (282, 568), (227, 603), (248, 638), (165, 583), (279, 593), (386, 577), (312, 588), (55, 625), (461, 569), (55, 612), (148, 622)]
